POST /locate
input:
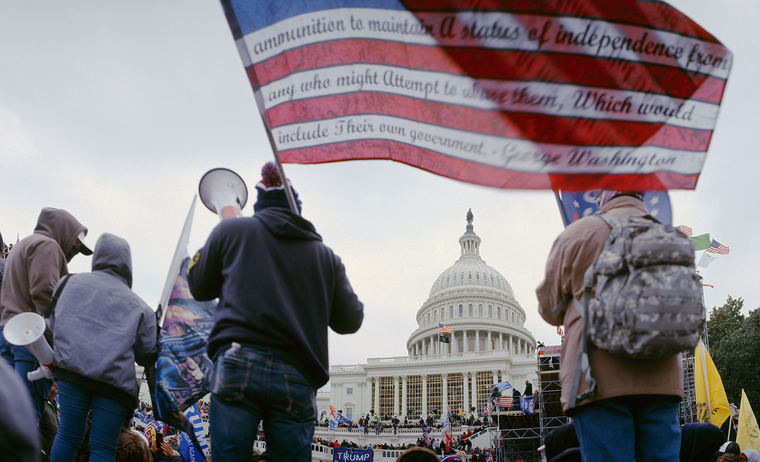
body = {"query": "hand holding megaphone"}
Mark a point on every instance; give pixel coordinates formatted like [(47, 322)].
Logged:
[(28, 329)]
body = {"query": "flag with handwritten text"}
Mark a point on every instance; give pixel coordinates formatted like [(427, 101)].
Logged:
[(515, 94)]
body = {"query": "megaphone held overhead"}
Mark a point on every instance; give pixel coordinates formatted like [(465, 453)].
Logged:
[(28, 329), (223, 192)]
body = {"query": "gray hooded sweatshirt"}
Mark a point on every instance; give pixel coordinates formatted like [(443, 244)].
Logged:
[(101, 328)]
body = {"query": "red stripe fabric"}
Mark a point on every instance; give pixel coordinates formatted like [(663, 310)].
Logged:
[(519, 94)]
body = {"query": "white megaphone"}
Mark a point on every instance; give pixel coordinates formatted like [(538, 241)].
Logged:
[(223, 192), (28, 329)]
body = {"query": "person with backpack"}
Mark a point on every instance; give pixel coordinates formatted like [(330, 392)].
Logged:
[(628, 407)]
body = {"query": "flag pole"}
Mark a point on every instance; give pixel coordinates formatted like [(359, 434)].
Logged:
[(561, 210), (704, 376), (268, 128)]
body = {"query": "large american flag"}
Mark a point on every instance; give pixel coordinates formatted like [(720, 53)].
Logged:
[(505, 93), (443, 329), (717, 247)]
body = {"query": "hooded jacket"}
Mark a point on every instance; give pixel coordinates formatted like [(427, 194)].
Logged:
[(572, 253), (279, 288), (101, 328), (36, 263)]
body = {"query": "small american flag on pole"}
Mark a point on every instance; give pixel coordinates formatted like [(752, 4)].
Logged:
[(442, 329), (717, 247), (686, 230)]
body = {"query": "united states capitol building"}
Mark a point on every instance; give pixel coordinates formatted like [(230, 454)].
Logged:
[(489, 344)]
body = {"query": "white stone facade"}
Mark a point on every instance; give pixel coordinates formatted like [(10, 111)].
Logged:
[(489, 344)]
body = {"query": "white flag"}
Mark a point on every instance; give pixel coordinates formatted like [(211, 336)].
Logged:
[(706, 259)]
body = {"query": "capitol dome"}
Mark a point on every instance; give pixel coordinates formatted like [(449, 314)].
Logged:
[(471, 298)]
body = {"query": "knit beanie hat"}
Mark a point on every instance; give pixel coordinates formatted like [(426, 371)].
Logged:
[(271, 191)]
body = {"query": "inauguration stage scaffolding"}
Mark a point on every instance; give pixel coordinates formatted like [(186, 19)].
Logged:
[(519, 435)]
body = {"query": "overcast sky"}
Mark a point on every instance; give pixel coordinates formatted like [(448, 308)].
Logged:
[(114, 110)]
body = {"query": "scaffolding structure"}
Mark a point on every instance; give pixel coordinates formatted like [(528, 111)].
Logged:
[(519, 435)]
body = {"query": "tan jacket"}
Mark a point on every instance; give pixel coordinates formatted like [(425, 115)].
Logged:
[(572, 253), (36, 263)]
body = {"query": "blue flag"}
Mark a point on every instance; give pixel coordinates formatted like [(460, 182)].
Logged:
[(188, 451), (576, 205), (502, 386), (193, 414), (528, 404)]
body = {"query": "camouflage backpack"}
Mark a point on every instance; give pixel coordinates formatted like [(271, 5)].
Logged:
[(647, 301)]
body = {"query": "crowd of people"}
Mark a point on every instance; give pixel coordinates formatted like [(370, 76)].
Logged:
[(279, 290)]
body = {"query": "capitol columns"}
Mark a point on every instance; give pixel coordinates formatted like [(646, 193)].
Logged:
[(501, 341), (424, 395), (466, 396), (377, 397), (488, 345), (367, 397), (444, 393), (395, 395), (495, 376), (477, 340), (403, 395), (474, 391)]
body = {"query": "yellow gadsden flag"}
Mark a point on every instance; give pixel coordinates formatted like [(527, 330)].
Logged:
[(712, 403), (748, 434)]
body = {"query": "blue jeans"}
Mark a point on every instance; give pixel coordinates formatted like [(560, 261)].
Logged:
[(250, 385), (628, 428), (108, 416), (23, 361)]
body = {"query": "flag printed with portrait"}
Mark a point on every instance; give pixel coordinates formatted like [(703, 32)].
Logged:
[(712, 403), (182, 374), (748, 433), (514, 94)]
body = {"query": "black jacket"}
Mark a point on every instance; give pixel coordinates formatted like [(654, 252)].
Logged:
[(279, 288)]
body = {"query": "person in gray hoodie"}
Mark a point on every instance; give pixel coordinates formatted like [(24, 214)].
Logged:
[(100, 329)]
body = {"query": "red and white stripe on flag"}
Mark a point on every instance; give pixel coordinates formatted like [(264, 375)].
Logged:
[(505, 402), (686, 230), (505, 93)]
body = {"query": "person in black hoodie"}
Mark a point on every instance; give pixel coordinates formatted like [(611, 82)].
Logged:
[(279, 288)]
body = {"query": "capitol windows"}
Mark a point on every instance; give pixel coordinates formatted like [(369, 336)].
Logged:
[(498, 312), (447, 279), (461, 311), (349, 391), (451, 311), (470, 309), (435, 393), (462, 277), (482, 344), (490, 311), (460, 345), (428, 318), (480, 310), (435, 316), (387, 390), (477, 276), (513, 316), (414, 396)]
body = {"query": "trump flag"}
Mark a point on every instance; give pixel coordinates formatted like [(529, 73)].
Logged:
[(519, 94)]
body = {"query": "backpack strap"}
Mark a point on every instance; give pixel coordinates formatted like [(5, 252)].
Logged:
[(54, 298)]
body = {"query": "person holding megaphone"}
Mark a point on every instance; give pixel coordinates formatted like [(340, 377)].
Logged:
[(100, 329)]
